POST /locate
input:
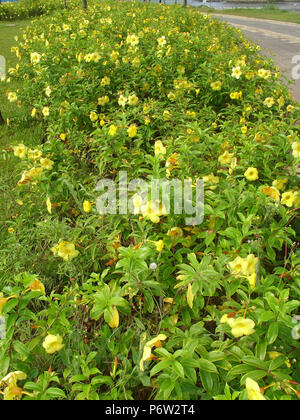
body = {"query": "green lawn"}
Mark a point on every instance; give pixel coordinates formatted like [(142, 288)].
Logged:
[(22, 131), (270, 12)]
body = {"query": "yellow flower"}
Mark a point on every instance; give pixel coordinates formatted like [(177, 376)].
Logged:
[(216, 85), (211, 179), (249, 264), (281, 101), (122, 100), (236, 72), (253, 390), (159, 245), (103, 100), (166, 115), (241, 326), (236, 266), (251, 174), (105, 81), (25, 179), (175, 232), (162, 41), (12, 97), (190, 296), (96, 57), (35, 172), (93, 116), (296, 149), (13, 377), (12, 391), (264, 74), (252, 280), (159, 148), (49, 205), (133, 100), (225, 319), (46, 111), (137, 203), (88, 58), (290, 108), (244, 129), (34, 112), (48, 91), (35, 58), (47, 164), (249, 75), (114, 320), (112, 130), (20, 151), (244, 266), (65, 250), (236, 95), (271, 192), (172, 96), (114, 55), (279, 184), (288, 198), (152, 211), (132, 131), (53, 343), (37, 286), (3, 301), (225, 158), (87, 206), (132, 40), (148, 347), (269, 102), (34, 154)]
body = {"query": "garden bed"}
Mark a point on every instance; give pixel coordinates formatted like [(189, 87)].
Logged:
[(132, 306)]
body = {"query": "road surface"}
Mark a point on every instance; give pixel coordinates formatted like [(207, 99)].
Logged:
[(279, 40)]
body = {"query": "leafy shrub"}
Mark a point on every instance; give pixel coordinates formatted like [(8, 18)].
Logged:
[(24, 9), (143, 306)]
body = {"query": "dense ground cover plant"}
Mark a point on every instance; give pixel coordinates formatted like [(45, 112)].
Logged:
[(24, 9), (143, 306)]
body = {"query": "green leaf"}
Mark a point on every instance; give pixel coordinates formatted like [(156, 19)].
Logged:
[(56, 393), (22, 350), (276, 363), (272, 333), (98, 380), (160, 366), (207, 366), (78, 378), (178, 368), (238, 370), (252, 361), (256, 375)]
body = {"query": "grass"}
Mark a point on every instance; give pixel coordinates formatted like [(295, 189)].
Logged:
[(23, 130), (268, 12)]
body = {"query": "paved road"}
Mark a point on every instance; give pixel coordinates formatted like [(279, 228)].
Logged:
[(279, 40)]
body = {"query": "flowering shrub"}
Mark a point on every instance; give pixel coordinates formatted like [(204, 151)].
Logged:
[(24, 9), (142, 306)]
